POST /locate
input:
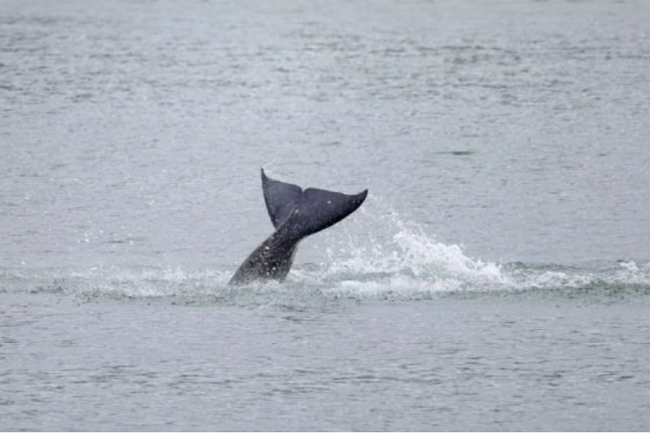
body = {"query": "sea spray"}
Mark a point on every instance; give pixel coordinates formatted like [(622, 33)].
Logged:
[(398, 255)]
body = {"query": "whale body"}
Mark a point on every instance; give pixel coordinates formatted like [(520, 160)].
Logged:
[(295, 214)]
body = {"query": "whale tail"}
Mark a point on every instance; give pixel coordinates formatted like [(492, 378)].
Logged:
[(295, 214), (307, 211)]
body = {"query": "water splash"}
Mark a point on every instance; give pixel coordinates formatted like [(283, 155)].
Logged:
[(113, 281), (396, 258), (400, 259), (376, 255)]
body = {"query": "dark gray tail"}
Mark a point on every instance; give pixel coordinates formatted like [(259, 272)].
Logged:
[(295, 214), (306, 211)]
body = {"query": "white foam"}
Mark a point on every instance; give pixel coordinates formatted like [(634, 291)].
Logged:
[(400, 256), (376, 254), (142, 282)]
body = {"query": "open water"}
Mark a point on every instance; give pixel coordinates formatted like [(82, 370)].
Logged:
[(497, 277)]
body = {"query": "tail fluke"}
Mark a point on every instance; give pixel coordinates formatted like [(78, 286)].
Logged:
[(308, 211), (295, 214)]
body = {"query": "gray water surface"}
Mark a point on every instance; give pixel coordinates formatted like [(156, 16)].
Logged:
[(497, 277)]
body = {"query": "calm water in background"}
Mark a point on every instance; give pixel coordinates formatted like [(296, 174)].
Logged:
[(497, 278)]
